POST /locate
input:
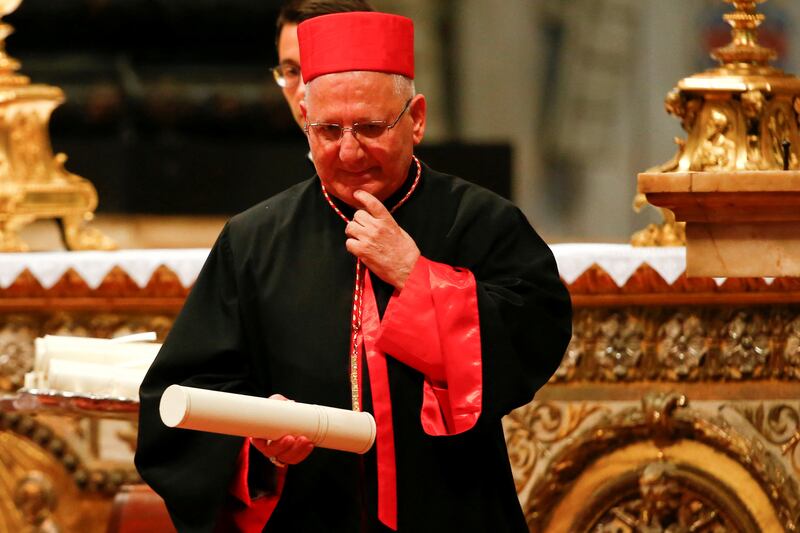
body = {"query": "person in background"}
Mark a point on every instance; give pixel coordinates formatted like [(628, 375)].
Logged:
[(287, 71)]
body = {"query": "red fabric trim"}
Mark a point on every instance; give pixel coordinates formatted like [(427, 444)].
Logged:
[(382, 407), (253, 515), (433, 326), (407, 331)]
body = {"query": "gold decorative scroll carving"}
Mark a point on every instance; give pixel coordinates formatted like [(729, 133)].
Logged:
[(45, 483), (658, 466), (778, 423)]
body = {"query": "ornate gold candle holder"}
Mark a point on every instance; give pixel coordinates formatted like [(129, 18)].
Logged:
[(734, 180), (33, 182)]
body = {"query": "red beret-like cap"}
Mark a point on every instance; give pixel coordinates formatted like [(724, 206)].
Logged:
[(342, 42)]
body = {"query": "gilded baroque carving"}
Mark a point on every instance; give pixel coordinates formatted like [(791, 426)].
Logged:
[(38, 490), (668, 233), (791, 351), (572, 358), (737, 115), (683, 344), (797, 109), (664, 504), (668, 417), (675, 104), (17, 334), (779, 129), (576, 350), (35, 498), (107, 481), (28, 146), (532, 428), (753, 104), (657, 409), (686, 109), (619, 347), (16, 351), (717, 150), (745, 345), (779, 424), (33, 186), (105, 325), (79, 236)]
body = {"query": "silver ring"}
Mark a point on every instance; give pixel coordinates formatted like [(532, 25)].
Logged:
[(277, 462)]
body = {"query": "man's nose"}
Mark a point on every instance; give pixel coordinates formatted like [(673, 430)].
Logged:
[(349, 147)]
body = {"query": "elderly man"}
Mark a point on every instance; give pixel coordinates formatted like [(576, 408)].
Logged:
[(378, 285)]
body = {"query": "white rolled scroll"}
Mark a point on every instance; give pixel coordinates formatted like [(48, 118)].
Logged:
[(89, 350), (250, 416), (90, 378)]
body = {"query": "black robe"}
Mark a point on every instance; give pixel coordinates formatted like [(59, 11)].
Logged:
[(269, 313)]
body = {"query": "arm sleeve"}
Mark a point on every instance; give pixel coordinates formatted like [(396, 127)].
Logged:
[(206, 348), (432, 325), (255, 489), (485, 337)]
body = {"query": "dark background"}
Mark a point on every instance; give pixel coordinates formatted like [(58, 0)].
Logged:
[(171, 108)]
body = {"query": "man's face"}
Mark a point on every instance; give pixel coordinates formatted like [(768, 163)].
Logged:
[(379, 165), (289, 58)]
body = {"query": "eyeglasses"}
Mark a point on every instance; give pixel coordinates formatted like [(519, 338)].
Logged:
[(286, 76), (330, 132)]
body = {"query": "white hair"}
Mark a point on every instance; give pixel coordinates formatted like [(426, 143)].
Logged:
[(403, 86)]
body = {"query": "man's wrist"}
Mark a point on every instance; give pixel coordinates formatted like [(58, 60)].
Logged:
[(406, 272)]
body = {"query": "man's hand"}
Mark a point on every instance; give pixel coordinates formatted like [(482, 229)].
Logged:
[(287, 450), (384, 247)]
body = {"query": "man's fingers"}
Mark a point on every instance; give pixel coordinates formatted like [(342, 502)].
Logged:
[(275, 447), (371, 204), (288, 449), (272, 448), (355, 230), (354, 246), (363, 218), (301, 448)]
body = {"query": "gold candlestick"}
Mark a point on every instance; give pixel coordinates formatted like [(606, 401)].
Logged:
[(33, 182), (737, 116)]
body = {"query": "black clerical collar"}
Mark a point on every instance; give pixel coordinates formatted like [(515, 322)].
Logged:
[(390, 202)]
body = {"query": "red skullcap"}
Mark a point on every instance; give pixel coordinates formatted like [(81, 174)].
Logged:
[(342, 42)]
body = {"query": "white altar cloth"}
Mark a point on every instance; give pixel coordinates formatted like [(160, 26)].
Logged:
[(620, 261)]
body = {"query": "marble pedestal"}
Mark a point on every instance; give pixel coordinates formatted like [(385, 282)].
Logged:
[(738, 224)]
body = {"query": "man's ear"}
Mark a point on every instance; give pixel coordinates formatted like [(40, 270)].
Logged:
[(303, 109), (418, 110)]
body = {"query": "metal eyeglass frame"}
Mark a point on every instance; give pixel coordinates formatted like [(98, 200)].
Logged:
[(354, 129)]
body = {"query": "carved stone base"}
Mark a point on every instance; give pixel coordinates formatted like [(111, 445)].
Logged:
[(773, 249), (738, 223)]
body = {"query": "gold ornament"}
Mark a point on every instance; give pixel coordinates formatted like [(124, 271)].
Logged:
[(33, 183), (737, 117)]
